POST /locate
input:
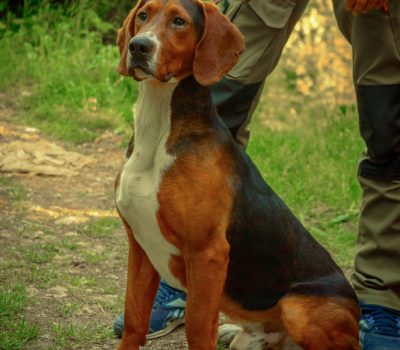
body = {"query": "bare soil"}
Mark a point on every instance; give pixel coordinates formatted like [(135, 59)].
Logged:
[(61, 238)]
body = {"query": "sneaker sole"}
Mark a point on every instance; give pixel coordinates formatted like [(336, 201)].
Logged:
[(170, 327)]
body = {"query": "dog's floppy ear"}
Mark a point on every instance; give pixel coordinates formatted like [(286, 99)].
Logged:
[(219, 47), (124, 36)]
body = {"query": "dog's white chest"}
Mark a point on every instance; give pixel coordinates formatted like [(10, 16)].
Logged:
[(137, 193)]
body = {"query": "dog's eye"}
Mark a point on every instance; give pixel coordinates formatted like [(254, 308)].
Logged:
[(178, 22), (142, 16)]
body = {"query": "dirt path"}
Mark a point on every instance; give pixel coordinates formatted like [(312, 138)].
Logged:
[(60, 238)]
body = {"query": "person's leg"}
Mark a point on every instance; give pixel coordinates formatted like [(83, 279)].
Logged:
[(168, 312), (375, 39), (266, 26)]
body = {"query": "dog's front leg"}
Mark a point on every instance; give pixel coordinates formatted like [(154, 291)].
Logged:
[(142, 284), (206, 273)]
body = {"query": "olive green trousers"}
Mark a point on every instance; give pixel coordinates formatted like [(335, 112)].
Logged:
[(375, 40)]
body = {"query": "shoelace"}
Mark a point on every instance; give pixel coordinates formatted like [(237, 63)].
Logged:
[(382, 321), (164, 293)]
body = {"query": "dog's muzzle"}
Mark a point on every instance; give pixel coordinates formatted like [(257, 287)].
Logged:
[(141, 50)]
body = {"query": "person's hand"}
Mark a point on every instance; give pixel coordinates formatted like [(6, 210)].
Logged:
[(362, 6)]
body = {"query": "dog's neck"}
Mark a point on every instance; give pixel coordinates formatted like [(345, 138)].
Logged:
[(191, 99), (179, 108), (152, 121)]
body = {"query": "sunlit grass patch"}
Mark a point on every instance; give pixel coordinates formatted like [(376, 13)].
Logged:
[(84, 281), (101, 227)]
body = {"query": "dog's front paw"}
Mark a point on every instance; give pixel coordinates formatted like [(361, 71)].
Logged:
[(129, 343)]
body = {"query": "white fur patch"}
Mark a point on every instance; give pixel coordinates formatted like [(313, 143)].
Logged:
[(140, 179), (248, 337), (227, 332)]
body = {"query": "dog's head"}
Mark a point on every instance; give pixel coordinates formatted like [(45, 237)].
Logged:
[(173, 39)]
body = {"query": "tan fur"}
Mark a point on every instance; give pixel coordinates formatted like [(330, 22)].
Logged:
[(218, 49)]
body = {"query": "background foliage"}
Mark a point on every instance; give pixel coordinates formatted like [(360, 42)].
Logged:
[(59, 61)]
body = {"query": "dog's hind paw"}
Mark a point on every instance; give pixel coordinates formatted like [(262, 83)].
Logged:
[(227, 332)]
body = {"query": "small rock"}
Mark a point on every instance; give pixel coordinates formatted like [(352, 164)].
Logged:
[(57, 292), (71, 220), (59, 257), (108, 298), (80, 264), (98, 248), (38, 234), (85, 310), (30, 129), (32, 291), (26, 93), (71, 234)]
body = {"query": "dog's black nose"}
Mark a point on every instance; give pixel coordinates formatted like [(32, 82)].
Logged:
[(141, 46)]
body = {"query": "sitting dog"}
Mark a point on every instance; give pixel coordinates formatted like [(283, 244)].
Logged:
[(196, 209)]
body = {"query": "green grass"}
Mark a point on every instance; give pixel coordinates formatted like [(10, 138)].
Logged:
[(221, 347), (67, 309), (83, 282), (41, 253), (313, 165), (12, 190), (61, 76), (101, 227), (14, 329), (93, 258), (67, 244), (69, 335), (44, 276)]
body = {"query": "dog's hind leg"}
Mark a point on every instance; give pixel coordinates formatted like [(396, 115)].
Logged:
[(249, 337), (227, 332), (321, 323)]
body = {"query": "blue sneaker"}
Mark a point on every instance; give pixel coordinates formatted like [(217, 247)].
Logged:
[(168, 312), (379, 328)]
